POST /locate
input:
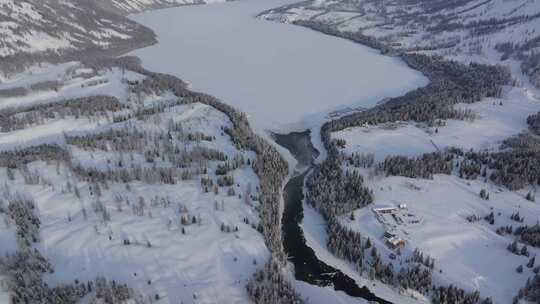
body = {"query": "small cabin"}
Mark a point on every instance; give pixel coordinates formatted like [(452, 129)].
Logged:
[(385, 210), (395, 242)]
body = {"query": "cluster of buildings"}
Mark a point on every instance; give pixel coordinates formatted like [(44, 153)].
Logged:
[(387, 214)]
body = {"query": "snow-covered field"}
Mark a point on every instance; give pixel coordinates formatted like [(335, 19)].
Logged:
[(470, 255), (498, 119), (74, 82), (180, 262), (73, 85), (284, 77)]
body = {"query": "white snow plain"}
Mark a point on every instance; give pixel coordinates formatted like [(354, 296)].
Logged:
[(283, 76)]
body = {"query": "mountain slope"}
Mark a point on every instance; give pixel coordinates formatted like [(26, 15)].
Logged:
[(481, 30), (137, 6), (61, 30), (34, 30)]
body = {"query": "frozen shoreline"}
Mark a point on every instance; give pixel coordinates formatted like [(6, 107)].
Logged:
[(281, 75)]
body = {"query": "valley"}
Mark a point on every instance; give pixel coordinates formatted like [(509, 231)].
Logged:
[(173, 151)]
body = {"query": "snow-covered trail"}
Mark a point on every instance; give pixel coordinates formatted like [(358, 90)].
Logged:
[(285, 77)]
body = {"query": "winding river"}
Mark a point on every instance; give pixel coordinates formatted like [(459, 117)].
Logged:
[(307, 267)]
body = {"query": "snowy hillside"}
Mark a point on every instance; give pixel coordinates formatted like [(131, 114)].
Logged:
[(131, 184), (137, 6), (31, 31), (479, 30)]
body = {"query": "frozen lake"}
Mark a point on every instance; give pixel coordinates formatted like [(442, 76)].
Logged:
[(283, 76)]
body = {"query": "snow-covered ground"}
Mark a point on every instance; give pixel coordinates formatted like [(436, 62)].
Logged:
[(283, 76), (470, 255), (495, 123), (105, 83), (73, 85), (35, 74), (202, 264)]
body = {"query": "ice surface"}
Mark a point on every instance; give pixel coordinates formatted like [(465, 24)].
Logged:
[(283, 76)]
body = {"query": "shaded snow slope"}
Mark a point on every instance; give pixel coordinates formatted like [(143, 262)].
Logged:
[(30, 29), (137, 6), (467, 30)]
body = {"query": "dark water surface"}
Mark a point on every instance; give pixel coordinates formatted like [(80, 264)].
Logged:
[(307, 266)]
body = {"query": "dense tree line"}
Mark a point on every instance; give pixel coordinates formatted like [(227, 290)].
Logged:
[(35, 87), (268, 286), (349, 245), (423, 166), (515, 169), (531, 291), (155, 146), (534, 123), (515, 165), (455, 295), (434, 102), (45, 152), (23, 116), (21, 210), (150, 175), (360, 160), (14, 92), (334, 192), (357, 37), (529, 234), (114, 139)]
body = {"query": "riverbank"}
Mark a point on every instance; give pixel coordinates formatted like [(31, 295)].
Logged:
[(307, 266)]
